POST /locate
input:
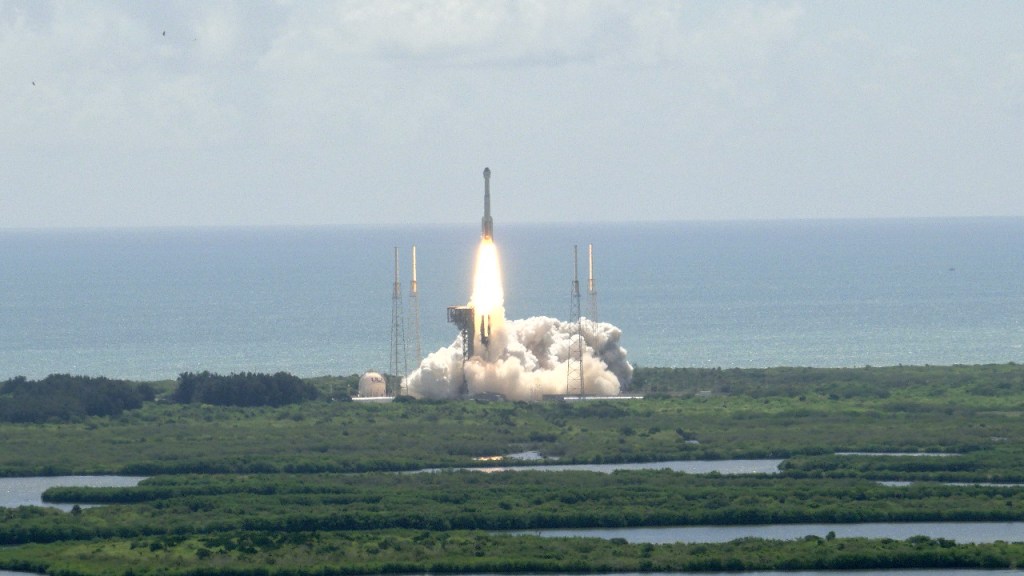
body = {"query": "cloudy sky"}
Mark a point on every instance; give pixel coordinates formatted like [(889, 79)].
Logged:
[(282, 113)]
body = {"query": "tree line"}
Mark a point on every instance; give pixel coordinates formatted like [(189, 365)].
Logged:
[(837, 383), (62, 397), (243, 389), (460, 552)]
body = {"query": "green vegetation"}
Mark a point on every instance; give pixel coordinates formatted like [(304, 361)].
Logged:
[(257, 489), (61, 397), (921, 414), (248, 389), (389, 552), (998, 464), (464, 500), (992, 380)]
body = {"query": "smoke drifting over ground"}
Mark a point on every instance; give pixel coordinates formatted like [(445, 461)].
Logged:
[(525, 360)]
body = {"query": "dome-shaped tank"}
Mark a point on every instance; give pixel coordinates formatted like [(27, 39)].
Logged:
[(372, 385)]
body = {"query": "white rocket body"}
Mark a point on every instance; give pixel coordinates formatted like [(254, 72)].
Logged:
[(487, 224)]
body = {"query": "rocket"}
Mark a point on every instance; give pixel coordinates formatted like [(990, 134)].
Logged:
[(487, 224)]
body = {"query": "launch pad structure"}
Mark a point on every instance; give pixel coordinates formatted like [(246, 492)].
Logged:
[(397, 362), (574, 359), (414, 299), (591, 286), (462, 317)]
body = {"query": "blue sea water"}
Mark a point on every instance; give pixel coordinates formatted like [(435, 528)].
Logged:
[(151, 303)]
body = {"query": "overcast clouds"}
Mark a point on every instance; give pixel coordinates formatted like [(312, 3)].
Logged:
[(222, 113)]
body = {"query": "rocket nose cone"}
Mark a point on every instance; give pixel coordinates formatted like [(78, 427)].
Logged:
[(487, 172)]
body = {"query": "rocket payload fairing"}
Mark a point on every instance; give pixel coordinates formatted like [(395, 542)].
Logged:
[(487, 224)]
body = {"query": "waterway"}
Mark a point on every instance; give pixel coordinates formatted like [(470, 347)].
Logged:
[(819, 573), (944, 572), (727, 467), (28, 491), (962, 532)]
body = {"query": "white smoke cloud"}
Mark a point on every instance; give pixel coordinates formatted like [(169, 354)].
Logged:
[(525, 360)]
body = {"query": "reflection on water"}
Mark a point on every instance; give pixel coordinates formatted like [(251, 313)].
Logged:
[(925, 572), (962, 532), (688, 466), (16, 492), (915, 572), (922, 454)]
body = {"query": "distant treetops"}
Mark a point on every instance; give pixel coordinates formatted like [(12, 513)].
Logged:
[(62, 397), (242, 389)]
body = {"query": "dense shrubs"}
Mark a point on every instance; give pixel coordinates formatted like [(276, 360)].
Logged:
[(243, 389), (64, 397), (524, 500), (836, 383)]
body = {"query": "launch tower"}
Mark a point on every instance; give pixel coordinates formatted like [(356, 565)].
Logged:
[(591, 286), (574, 362), (414, 299), (397, 365), (462, 317)]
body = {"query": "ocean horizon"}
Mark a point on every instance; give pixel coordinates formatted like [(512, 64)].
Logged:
[(150, 303)]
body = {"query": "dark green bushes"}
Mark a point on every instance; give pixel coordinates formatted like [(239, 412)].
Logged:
[(507, 501), (243, 389), (63, 397), (838, 383), (409, 552)]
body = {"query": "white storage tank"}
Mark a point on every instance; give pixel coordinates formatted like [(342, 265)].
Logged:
[(372, 385)]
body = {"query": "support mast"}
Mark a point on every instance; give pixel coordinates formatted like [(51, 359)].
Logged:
[(414, 299), (574, 363), (397, 365), (591, 286)]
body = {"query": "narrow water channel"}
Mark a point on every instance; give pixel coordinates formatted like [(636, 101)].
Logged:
[(961, 532), (16, 492), (727, 467)]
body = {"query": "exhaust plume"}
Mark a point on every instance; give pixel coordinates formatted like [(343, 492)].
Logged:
[(532, 362)]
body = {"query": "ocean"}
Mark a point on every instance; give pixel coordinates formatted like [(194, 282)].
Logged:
[(152, 303)]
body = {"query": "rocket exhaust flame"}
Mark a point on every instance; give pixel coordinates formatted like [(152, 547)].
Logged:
[(488, 299), (488, 295)]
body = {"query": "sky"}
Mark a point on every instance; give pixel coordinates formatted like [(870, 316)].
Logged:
[(208, 113)]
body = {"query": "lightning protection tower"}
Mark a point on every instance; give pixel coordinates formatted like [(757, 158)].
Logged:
[(591, 286), (414, 300), (574, 363), (397, 365)]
